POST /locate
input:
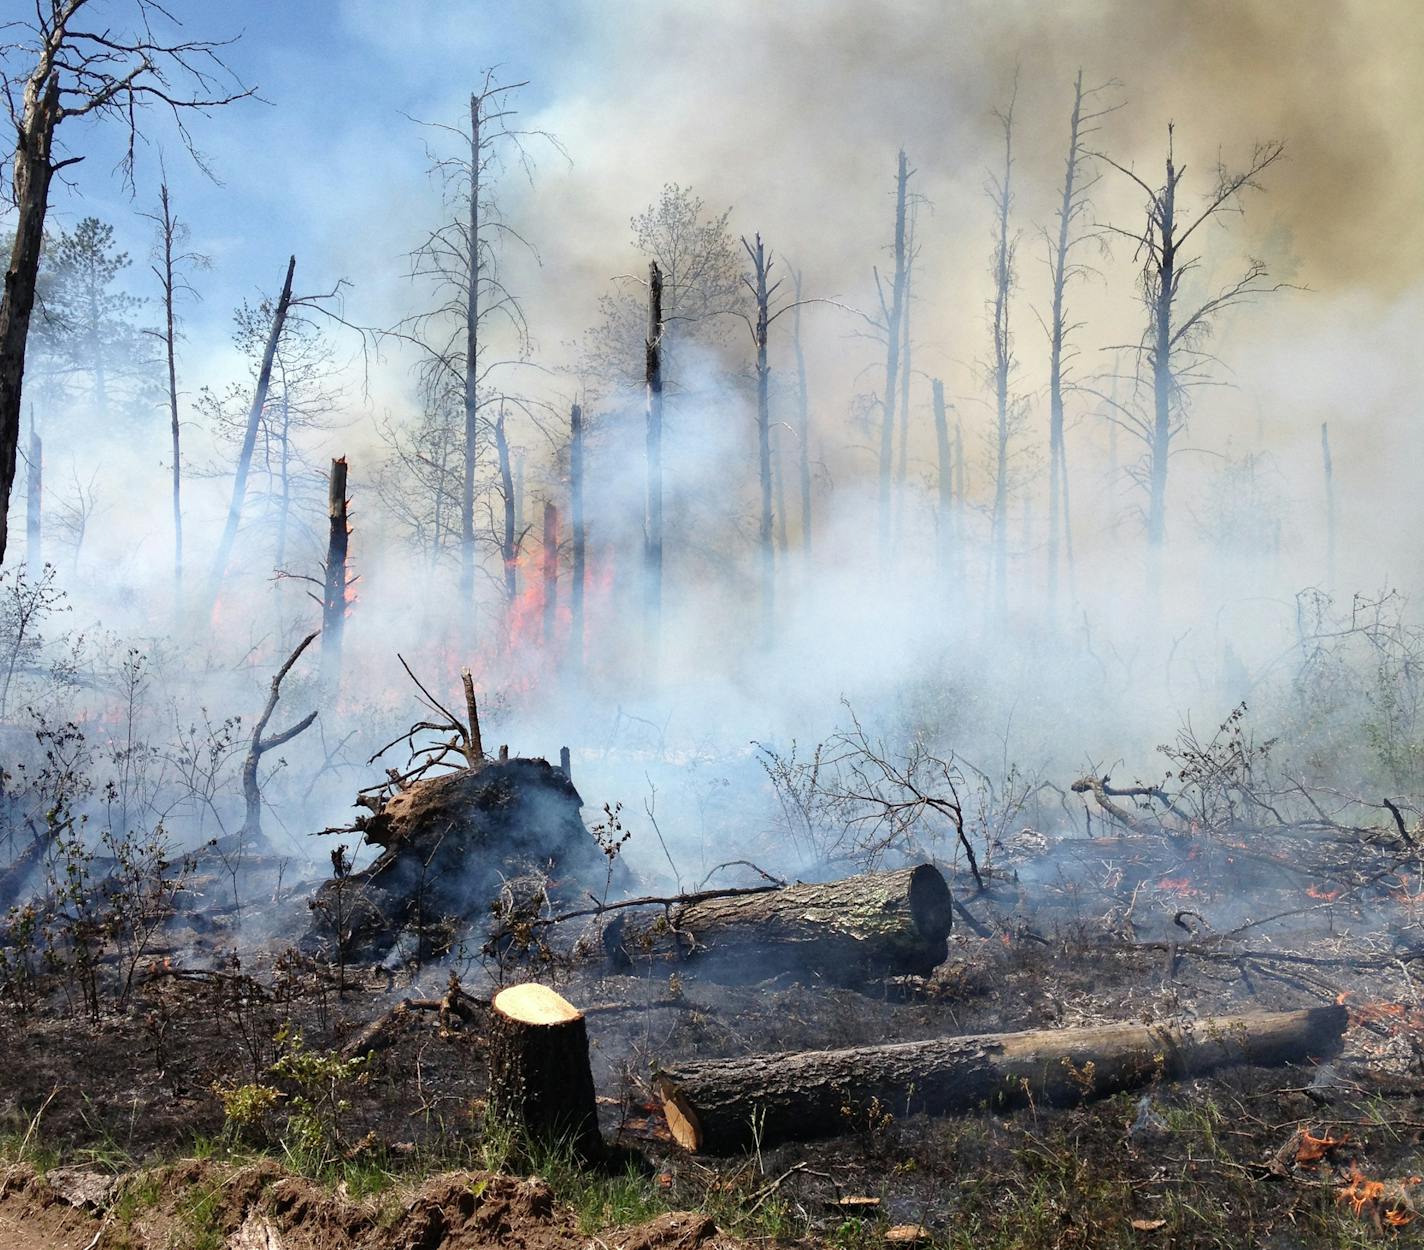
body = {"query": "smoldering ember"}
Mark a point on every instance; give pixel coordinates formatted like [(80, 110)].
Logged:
[(671, 626)]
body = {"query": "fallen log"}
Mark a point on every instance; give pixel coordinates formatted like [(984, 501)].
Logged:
[(540, 1082), (842, 931), (714, 1105)]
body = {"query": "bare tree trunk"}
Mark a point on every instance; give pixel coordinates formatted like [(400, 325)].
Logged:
[(1163, 383), (803, 423), (31, 172), (1329, 466), (167, 228), (760, 334), (508, 543), (576, 590), (945, 519), (249, 437), (551, 573), (903, 468), (471, 397), (34, 503), (1057, 472), (333, 604), (892, 316), (653, 512), (1003, 364)]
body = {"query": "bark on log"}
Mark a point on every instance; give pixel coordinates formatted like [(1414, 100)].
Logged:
[(710, 1105), (540, 1079), (842, 931)]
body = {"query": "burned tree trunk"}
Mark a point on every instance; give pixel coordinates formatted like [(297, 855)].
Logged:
[(761, 267), (579, 536), (845, 932), (713, 1105), (803, 421), (508, 543), (653, 512), (249, 435), (551, 572), (944, 528), (893, 332), (34, 503), (333, 602), (540, 1080)]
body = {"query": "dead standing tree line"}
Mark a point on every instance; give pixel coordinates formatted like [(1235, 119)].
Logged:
[(459, 259), (1171, 341), (105, 73)]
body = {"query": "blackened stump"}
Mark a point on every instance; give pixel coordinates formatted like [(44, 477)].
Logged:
[(540, 1080)]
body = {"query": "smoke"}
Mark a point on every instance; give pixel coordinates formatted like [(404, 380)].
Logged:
[(792, 115)]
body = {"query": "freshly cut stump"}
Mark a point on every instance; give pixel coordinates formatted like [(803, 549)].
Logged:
[(845, 932), (540, 1079), (712, 1105)]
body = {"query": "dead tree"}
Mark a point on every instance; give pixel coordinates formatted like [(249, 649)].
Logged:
[(458, 258), (1329, 467), (653, 506), (727, 1105), (169, 267), (1002, 360), (509, 536), (1073, 207), (763, 291), (1172, 341), (891, 314), (117, 72), (249, 435), (34, 502), (944, 520), (579, 536), (551, 572), (803, 419), (262, 742), (333, 600)]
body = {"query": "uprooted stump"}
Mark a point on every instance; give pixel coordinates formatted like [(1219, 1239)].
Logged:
[(725, 1105), (845, 932), (540, 1080), (449, 843)]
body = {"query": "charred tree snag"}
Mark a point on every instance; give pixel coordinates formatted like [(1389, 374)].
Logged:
[(653, 512), (845, 932), (551, 572), (711, 1106), (944, 520), (333, 601), (261, 744), (762, 294), (579, 537), (509, 537), (892, 314), (540, 1080)]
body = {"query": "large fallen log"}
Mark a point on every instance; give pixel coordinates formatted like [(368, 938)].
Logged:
[(838, 931), (725, 1105)]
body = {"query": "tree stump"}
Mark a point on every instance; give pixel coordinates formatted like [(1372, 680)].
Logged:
[(540, 1079)]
